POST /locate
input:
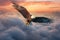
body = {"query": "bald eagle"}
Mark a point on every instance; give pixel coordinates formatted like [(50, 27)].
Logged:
[(29, 17)]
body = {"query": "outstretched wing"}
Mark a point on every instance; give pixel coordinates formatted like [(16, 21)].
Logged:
[(23, 11), (41, 20)]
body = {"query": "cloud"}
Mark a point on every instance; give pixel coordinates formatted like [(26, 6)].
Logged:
[(44, 0), (3, 2), (57, 13), (12, 28), (6, 2), (3, 11), (38, 0)]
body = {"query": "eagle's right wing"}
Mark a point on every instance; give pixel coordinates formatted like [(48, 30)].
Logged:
[(23, 11)]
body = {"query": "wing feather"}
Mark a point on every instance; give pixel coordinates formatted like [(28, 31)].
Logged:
[(23, 11)]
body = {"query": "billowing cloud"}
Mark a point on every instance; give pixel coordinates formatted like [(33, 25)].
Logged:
[(12, 28)]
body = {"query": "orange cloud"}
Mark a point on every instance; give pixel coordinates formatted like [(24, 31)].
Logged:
[(42, 6), (36, 6)]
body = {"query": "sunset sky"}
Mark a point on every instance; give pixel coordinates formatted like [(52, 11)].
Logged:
[(35, 7), (32, 6)]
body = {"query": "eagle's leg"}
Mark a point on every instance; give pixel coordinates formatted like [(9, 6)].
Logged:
[(28, 22)]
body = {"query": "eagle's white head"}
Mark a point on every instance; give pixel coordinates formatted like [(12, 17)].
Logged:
[(32, 17)]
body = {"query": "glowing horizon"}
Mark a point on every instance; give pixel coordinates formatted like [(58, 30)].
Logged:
[(36, 6)]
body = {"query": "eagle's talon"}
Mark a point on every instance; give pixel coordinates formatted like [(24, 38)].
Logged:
[(27, 23)]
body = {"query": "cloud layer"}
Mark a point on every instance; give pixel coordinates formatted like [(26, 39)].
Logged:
[(12, 28)]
